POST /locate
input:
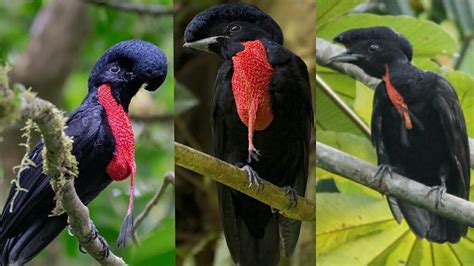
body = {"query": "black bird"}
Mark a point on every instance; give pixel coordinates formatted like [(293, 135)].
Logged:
[(262, 122), (418, 126), (103, 146)]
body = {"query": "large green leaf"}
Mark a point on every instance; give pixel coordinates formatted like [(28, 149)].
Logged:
[(329, 115), (428, 39), (464, 86), (329, 9)]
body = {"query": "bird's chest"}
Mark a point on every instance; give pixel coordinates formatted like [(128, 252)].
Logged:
[(420, 150), (250, 84), (122, 164)]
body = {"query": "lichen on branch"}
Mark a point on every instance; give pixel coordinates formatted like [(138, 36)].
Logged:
[(58, 162)]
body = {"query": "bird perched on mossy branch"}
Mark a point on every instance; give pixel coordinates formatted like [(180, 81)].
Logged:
[(103, 144), (262, 122), (418, 126)]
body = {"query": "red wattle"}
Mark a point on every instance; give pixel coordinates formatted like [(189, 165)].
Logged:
[(397, 99), (251, 87), (122, 164)]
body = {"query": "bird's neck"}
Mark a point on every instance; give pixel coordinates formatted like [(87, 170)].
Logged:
[(399, 70)]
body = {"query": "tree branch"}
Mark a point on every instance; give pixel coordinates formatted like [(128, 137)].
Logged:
[(168, 179), (153, 10), (60, 165), (396, 185), (237, 179), (325, 49)]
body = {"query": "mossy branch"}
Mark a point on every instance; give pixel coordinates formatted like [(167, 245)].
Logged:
[(59, 164), (236, 178)]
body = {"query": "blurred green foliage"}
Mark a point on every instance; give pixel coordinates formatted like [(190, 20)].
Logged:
[(354, 224), (154, 145)]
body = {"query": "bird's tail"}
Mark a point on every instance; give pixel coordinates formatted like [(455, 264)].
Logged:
[(431, 226), (260, 251), (23, 247)]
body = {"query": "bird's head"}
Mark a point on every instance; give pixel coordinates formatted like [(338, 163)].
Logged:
[(221, 29), (373, 48), (126, 67)]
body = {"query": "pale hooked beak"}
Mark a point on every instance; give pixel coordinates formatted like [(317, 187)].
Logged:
[(204, 44), (346, 57)]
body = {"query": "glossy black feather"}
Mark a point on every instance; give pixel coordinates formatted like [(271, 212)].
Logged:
[(27, 224), (26, 230), (442, 144), (254, 233), (284, 146), (436, 148)]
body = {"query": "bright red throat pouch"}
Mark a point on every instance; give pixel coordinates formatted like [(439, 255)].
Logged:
[(251, 87), (122, 164)]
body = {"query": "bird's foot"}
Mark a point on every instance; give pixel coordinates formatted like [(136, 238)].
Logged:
[(253, 154), (94, 233), (105, 248), (382, 171), (293, 196), (253, 177), (273, 210), (439, 190)]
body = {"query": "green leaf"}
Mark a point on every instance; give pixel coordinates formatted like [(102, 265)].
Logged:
[(329, 115), (341, 233), (428, 39), (464, 86), (330, 9), (363, 102)]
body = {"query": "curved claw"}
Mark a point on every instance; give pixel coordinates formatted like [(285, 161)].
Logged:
[(293, 196), (105, 248), (94, 233), (382, 171), (253, 177), (439, 190), (253, 154)]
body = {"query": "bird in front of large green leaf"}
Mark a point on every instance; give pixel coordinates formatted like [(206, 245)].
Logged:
[(418, 126)]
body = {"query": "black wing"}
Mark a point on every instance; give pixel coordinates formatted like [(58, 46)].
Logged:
[(85, 126), (447, 106), (290, 229)]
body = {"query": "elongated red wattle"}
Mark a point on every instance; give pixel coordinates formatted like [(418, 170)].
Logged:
[(251, 87), (122, 164), (397, 100)]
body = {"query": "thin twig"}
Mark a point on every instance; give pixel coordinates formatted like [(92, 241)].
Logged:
[(343, 105), (397, 186), (153, 10), (167, 180), (464, 48), (237, 179)]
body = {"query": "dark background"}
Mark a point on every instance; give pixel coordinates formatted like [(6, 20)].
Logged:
[(199, 236)]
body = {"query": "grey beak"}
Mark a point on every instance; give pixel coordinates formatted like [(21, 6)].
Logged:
[(204, 44), (346, 57)]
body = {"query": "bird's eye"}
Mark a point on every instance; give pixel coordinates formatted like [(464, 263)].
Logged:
[(235, 28), (114, 69), (373, 48)]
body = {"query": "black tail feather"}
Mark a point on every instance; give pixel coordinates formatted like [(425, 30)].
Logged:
[(430, 226)]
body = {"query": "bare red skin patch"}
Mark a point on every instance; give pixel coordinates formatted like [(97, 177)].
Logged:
[(251, 87), (397, 99), (122, 164)]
